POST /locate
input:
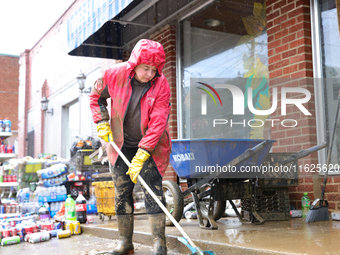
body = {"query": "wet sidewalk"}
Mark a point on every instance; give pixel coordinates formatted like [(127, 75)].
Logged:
[(232, 237)]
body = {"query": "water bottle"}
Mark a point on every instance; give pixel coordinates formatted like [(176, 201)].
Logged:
[(2, 129), (305, 204), (7, 124), (70, 209), (81, 208)]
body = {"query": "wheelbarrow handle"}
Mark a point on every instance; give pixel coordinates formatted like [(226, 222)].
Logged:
[(157, 200), (303, 153)]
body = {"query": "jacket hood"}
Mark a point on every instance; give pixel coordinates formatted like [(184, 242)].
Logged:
[(147, 52)]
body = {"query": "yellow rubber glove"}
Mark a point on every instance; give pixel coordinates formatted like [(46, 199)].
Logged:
[(104, 131), (137, 164)]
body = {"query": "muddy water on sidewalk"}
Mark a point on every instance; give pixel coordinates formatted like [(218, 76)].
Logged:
[(292, 236)]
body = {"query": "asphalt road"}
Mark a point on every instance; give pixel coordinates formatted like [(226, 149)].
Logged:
[(83, 244)]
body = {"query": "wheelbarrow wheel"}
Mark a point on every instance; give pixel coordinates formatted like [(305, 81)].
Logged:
[(219, 206), (174, 201)]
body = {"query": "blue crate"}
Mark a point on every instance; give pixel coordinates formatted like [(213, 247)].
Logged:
[(91, 209)]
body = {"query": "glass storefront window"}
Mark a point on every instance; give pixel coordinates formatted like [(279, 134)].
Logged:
[(223, 43), (330, 48)]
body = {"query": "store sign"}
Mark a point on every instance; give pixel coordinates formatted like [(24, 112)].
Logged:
[(91, 16)]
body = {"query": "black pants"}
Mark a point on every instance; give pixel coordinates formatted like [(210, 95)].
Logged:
[(124, 186)]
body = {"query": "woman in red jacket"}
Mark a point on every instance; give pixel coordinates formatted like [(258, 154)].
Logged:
[(138, 123)]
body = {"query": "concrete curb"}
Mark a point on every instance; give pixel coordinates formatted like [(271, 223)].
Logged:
[(174, 245)]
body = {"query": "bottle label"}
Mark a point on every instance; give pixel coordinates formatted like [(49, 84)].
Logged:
[(80, 207), (70, 212)]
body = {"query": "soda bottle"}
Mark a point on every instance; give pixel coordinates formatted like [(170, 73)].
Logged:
[(43, 213), (81, 208), (70, 209), (305, 204), (7, 124)]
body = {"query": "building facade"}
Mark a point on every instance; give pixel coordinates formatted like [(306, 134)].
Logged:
[(9, 90), (269, 47)]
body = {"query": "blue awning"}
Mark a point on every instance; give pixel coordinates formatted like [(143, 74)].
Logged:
[(89, 18)]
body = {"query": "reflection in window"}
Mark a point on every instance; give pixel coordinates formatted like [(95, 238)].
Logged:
[(330, 42), (224, 43)]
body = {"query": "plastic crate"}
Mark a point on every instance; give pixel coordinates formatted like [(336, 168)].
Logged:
[(105, 196), (271, 204), (73, 188), (81, 162), (33, 167)]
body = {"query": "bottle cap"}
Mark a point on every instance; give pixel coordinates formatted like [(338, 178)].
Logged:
[(80, 193), (306, 193)]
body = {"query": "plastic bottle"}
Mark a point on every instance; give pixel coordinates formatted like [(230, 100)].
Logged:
[(2, 129), (43, 213), (70, 209), (81, 208), (305, 204), (7, 124)]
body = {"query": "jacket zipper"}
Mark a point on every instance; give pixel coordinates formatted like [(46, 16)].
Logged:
[(140, 109)]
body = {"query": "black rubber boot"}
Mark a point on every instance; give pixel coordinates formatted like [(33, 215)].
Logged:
[(157, 225), (125, 229)]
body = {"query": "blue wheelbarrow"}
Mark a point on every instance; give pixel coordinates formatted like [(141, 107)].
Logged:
[(218, 170)]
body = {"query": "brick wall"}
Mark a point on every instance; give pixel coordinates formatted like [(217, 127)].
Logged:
[(9, 87), (290, 65), (167, 37)]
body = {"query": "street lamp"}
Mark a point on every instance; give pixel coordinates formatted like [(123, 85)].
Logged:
[(44, 106), (81, 78)]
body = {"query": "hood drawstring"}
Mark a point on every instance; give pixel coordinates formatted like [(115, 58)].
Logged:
[(153, 88), (128, 84)]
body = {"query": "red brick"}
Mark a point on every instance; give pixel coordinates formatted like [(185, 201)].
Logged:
[(332, 205), (294, 132), (300, 58), (274, 59), (281, 48), (281, 63), (269, 2), (272, 16), (279, 4), (294, 148), (289, 53), (288, 8), (281, 34), (274, 74), (300, 42), (306, 65), (332, 196), (305, 49), (302, 74), (299, 26), (280, 19), (298, 11), (290, 69), (292, 189), (302, 2), (288, 38), (332, 188), (286, 141), (274, 44), (273, 30)]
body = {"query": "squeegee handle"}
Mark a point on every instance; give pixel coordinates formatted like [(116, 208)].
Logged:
[(157, 200)]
